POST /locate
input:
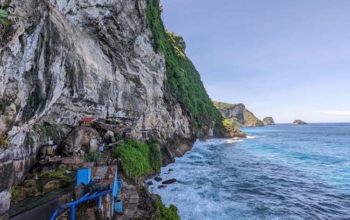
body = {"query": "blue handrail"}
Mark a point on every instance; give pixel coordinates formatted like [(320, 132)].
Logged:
[(85, 198)]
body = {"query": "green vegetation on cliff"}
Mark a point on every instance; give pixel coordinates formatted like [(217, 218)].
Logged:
[(138, 158), (53, 131), (228, 125), (5, 15), (92, 156), (165, 213), (4, 143), (183, 78)]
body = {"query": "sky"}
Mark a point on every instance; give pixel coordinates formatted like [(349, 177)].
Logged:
[(289, 59)]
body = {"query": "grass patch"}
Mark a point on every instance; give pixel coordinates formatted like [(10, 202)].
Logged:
[(56, 175), (59, 174)]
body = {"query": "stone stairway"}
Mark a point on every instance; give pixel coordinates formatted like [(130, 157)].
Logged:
[(131, 201), (105, 156)]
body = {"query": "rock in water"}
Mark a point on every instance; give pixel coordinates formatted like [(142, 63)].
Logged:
[(170, 181), (299, 122), (268, 121), (149, 183), (157, 178)]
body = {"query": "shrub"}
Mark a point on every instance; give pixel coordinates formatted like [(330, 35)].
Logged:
[(60, 175), (92, 156), (155, 157), (14, 192), (228, 125), (165, 213), (53, 131), (57, 174)]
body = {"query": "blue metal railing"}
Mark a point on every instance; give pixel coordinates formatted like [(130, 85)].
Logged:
[(85, 198)]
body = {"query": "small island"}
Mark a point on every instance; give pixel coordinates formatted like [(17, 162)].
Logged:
[(299, 122), (268, 121)]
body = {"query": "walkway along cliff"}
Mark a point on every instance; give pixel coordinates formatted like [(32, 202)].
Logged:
[(62, 61)]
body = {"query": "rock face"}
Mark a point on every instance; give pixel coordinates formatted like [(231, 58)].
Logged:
[(238, 114), (299, 122), (66, 60), (268, 121)]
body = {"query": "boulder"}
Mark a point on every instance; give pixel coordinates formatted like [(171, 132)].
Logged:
[(157, 178), (109, 137), (170, 181), (161, 186), (94, 144), (149, 183), (81, 138)]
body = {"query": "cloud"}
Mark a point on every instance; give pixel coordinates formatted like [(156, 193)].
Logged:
[(335, 112)]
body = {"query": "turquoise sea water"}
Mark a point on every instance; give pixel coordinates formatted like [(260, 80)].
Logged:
[(278, 172)]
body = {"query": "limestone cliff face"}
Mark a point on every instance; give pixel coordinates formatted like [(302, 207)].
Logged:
[(65, 60), (268, 121), (238, 114)]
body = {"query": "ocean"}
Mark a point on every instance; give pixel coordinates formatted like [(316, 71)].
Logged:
[(279, 172)]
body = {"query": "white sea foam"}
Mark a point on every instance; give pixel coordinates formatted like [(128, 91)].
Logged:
[(230, 141), (330, 165), (195, 198), (216, 181), (347, 163)]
